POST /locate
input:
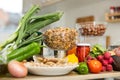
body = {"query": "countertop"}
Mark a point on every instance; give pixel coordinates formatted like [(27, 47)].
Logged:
[(70, 76)]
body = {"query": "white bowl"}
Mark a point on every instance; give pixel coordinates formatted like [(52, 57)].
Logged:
[(38, 70)]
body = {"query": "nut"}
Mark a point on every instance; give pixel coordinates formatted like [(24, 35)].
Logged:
[(50, 62)]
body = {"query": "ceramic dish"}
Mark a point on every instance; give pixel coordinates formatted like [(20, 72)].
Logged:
[(38, 70)]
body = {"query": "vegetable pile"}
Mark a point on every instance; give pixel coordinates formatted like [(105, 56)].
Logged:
[(26, 40), (98, 60)]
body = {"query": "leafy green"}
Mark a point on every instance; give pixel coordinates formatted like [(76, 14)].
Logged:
[(97, 49), (29, 24)]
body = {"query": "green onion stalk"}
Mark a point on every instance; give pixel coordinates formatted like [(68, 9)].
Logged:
[(27, 31)]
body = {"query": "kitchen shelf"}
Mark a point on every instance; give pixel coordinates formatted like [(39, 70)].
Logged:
[(108, 17), (70, 76), (49, 2)]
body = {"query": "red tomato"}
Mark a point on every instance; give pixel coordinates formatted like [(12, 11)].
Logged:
[(95, 66)]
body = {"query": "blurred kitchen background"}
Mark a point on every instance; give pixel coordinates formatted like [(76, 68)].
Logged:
[(11, 11)]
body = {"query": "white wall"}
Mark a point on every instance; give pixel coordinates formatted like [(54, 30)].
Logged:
[(79, 8), (98, 8)]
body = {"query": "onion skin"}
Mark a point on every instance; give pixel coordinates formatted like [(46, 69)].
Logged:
[(17, 69), (117, 51)]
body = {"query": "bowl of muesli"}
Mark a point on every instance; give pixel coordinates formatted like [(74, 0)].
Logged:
[(60, 38), (50, 66)]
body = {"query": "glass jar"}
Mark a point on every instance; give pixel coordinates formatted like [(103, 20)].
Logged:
[(60, 38), (83, 49), (96, 28)]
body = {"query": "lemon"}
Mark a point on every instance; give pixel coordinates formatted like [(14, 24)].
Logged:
[(72, 58)]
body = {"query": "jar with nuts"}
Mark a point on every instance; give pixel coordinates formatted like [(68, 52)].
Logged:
[(92, 28), (60, 38)]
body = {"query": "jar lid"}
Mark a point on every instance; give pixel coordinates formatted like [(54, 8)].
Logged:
[(83, 44)]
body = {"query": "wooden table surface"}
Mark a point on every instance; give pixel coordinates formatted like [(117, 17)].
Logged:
[(70, 76)]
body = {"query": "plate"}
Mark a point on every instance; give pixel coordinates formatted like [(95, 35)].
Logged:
[(49, 71)]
